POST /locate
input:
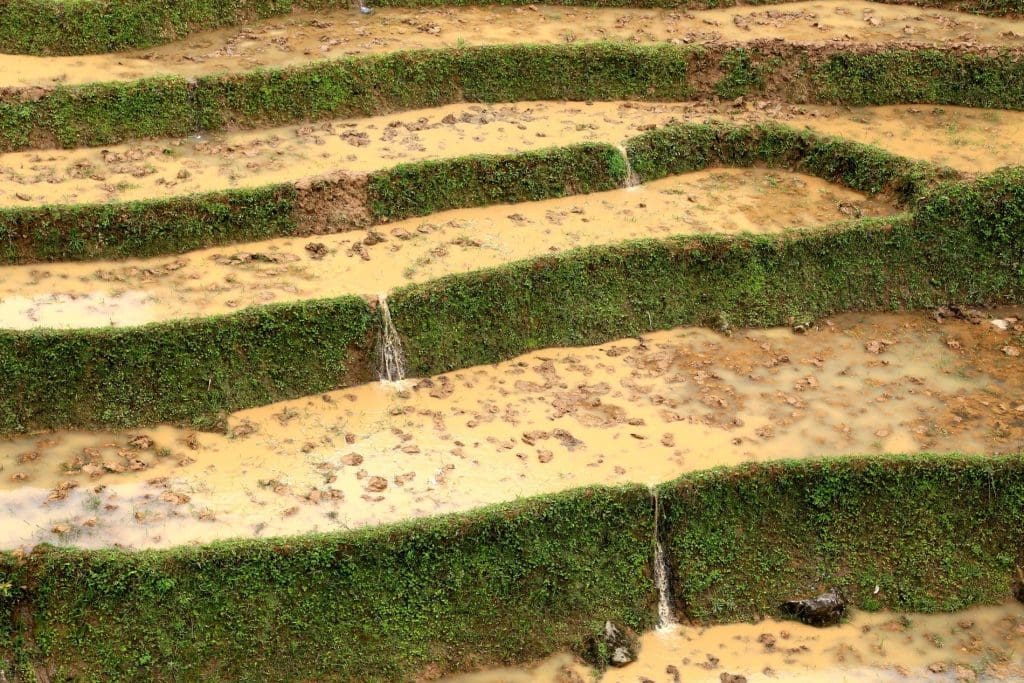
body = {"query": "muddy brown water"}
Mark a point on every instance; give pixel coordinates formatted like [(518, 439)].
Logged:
[(635, 410), (305, 36), (969, 140), (219, 280), (982, 643)]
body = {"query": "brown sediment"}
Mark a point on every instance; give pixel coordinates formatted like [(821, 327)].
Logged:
[(981, 643), (335, 202), (306, 36), (636, 410), (366, 262)]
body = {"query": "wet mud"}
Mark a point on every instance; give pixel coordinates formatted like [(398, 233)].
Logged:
[(635, 410)]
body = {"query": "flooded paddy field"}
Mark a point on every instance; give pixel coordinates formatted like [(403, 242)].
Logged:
[(635, 410), (982, 643), (969, 140), (306, 36), (366, 262)]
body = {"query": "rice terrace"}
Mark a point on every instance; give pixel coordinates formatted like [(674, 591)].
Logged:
[(639, 341)]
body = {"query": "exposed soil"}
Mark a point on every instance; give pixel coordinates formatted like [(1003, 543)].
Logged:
[(366, 262), (306, 36), (636, 410)]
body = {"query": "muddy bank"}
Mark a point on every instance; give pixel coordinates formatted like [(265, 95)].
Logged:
[(982, 643), (367, 262), (306, 36), (629, 411)]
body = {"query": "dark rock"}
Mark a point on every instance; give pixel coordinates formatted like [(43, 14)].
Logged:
[(317, 250), (824, 610), (732, 678), (616, 645)]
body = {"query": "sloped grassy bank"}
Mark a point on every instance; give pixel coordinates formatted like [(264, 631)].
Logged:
[(963, 242), (916, 533), (188, 372), (54, 27), (328, 204), (838, 73), (514, 582), (511, 582)]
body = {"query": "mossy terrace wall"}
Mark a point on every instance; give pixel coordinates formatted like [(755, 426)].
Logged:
[(60, 27), (514, 582), (962, 241), (106, 113)]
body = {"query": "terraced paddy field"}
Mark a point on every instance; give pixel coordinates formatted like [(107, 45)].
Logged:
[(511, 343), (635, 410), (368, 262)]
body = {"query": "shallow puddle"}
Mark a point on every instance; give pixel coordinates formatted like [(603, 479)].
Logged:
[(628, 411), (306, 36), (970, 140), (363, 262), (985, 643)]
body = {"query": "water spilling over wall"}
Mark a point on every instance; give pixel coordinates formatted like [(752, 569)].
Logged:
[(632, 179), (392, 357), (666, 618)]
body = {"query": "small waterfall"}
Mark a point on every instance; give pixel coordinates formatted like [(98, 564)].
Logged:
[(632, 179), (666, 618), (392, 358)]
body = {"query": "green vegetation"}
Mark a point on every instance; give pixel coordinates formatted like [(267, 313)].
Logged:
[(514, 582), (107, 113), (685, 148), (933, 533), (190, 372), (145, 228), (961, 242), (426, 187), (503, 584)]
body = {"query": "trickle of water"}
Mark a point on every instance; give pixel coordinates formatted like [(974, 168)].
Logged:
[(392, 357), (632, 179), (666, 619)]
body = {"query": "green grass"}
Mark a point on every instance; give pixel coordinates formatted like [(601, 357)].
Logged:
[(959, 241), (107, 113), (514, 582)]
